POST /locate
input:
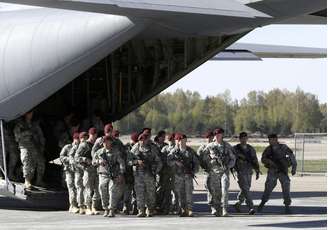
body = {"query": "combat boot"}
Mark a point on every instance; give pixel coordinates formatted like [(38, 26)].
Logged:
[(125, 210), (237, 207), (27, 184), (95, 211), (260, 207), (251, 211), (182, 213), (141, 213), (88, 211), (149, 212), (106, 213), (189, 213), (225, 212), (111, 213), (75, 209), (82, 211), (287, 209)]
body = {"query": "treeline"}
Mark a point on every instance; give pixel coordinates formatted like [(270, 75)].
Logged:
[(278, 111)]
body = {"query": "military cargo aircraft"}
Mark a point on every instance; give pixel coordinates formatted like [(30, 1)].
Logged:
[(56, 54)]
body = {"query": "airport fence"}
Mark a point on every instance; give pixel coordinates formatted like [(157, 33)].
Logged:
[(311, 152)]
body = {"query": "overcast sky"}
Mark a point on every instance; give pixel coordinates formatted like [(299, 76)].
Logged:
[(240, 77)]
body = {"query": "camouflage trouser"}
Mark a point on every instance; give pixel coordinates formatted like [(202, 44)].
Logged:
[(69, 177), (163, 193), (219, 188), (32, 161), (208, 186), (79, 187), (127, 196), (91, 187), (110, 191), (183, 187), (244, 182), (271, 182), (144, 185)]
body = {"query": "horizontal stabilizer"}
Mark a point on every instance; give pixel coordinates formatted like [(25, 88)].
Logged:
[(247, 51), (151, 8)]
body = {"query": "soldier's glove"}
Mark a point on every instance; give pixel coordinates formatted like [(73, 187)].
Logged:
[(102, 162), (293, 171)]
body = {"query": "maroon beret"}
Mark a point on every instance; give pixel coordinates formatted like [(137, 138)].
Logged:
[(92, 131), (108, 128), (75, 135), (143, 137), (170, 137), (83, 135), (218, 131)]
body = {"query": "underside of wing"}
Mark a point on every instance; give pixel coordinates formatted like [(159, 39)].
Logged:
[(152, 8)]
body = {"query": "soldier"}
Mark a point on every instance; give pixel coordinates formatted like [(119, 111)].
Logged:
[(202, 161), (219, 160), (164, 196), (12, 153), (31, 142), (129, 196), (98, 145), (185, 164), (111, 168), (159, 140), (84, 159), (246, 162), (67, 159), (147, 165), (277, 158)]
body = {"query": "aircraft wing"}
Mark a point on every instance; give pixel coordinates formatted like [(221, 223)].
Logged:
[(151, 8), (247, 52)]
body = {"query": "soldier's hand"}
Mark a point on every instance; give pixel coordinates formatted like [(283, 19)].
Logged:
[(141, 163), (179, 163), (293, 171), (102, 162), (120, 179)]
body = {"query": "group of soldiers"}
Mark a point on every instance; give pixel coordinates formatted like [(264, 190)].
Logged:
[(148, 177)]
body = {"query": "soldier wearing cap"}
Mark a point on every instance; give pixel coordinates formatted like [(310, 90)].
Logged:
[(185, 164), (147, 165), (129, 195), (83, 158), (67, 158), (219, 160), (172, 202), (31, 142), (111, 168), (246, 162), (164, 196), (202, 160), (277, 158)]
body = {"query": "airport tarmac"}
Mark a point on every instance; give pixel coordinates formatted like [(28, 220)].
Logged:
[(309, 212)]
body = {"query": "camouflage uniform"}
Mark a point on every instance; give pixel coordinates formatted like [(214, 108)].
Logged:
[(246, 161), (84, 160), (219, 159), (183, 175), (110, 166), (144, 177), (129, 195), (11, 153), (165, 190), (277, 158), (202, 161), (31, 143), (67, 159)]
